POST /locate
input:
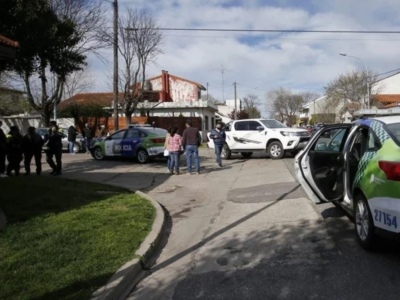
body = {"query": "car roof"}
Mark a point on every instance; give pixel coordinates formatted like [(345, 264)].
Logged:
[(389, 119)]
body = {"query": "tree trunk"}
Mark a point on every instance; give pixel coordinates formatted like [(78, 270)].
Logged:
[(128, 117), (46, 115)]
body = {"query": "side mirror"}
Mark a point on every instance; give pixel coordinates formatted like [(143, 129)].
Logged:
[(321, 146), (260, 128)]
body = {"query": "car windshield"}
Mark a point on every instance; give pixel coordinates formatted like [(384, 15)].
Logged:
[(394, 130), (41, 131), (273, 124), (154, 131)]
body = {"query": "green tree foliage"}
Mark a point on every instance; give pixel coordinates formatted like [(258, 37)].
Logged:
[(88, 110), (240, 115), (47, 50)]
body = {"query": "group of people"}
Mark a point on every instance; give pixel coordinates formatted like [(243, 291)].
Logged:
[(16, 148), (189, 143)]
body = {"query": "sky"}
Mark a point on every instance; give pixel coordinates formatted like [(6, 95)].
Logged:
[(260, 62)]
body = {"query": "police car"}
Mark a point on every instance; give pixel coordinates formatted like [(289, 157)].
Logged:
[(358, 166), (139, 142)]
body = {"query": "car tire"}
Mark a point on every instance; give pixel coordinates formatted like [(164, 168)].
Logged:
[(226, 152), (98, 153), (246, 154), (77, 148), (363, 223), (142, 156), (275, 150)]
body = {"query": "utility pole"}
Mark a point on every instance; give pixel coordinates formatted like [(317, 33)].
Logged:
[(235, 114), (115, 76), (207, 91)]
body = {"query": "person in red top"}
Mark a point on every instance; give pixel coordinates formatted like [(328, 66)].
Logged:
[(174, 146)]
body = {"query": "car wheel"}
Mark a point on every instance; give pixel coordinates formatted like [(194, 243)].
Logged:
[(364, 224), (275, 150), (98, 153), (246, 154), (142, 156), (226, 152), (77, 148)]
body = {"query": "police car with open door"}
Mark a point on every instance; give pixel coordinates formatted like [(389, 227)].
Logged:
[(358, 166)]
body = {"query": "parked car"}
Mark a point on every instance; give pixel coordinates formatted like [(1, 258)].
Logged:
[(357, 165), (79, 144), (139, 142), (261, 135)]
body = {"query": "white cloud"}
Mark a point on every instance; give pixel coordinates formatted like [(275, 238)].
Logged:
[(263, 61)]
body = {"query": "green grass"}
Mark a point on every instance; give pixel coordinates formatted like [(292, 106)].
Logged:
[(64, 238)]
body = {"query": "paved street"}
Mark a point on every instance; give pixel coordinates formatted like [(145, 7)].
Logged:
[(248, 231)]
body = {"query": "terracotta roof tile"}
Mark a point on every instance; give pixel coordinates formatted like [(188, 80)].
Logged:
[(386, 99), (7, 42)]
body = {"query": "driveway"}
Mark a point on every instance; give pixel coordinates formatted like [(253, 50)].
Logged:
[(247, 231)]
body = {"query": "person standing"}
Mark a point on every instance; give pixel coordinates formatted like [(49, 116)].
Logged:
[(32, 145), (218, 136), (88, 135), (174, 147), (191, 140), (166, 148), (14, 150), (3, 144), (54, 148), (72, 132)]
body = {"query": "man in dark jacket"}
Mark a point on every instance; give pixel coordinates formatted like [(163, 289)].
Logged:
[(72, 132), (54, 147), (88, 135), (14, 150), (191, 140), (32, 145), (3, 144), (218, 136)]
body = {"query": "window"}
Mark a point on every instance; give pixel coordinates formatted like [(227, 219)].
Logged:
[(394, 131), (119, 135), (132, 134), (253, 125), (241, 126), (206, 121), (331, 140), (212, 122), (373, 143)]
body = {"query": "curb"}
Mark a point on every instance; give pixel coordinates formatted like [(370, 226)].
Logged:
[(128, 276)]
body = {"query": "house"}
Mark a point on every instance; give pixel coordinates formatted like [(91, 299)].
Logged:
[(323, 111), (386, 91), (225, 109), (165, 95), (8, 48)]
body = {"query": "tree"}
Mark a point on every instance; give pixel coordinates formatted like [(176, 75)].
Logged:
[(139, 44), (351, 86), (54, 40), (211, 99), (285, 104), (77, 82), (251, 103), (240, 115)]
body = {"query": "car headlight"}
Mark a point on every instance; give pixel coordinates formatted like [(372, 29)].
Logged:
[(295, 133)]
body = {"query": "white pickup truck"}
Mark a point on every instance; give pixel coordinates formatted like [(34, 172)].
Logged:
[(262, 135)]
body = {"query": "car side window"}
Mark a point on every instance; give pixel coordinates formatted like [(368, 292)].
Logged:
[(253, 125), (373, 143), (331, 140), (118, 135), (241, 126), (132, 134)]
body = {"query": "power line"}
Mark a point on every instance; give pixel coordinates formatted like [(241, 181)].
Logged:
[(271, 30)]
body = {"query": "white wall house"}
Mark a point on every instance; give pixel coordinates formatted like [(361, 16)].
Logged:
[(320, 111), (225, 109), (386, 91)]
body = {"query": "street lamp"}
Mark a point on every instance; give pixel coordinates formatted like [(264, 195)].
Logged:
[(366, 75)]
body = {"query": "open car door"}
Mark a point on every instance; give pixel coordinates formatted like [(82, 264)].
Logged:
[(320, 167)]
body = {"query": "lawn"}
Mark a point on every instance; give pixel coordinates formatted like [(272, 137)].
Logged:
[(64, 238)]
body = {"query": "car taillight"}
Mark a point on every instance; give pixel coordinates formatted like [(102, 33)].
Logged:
[(157, 141), (391, 169)]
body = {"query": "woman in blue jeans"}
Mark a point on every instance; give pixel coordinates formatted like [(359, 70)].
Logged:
[(174, 146)]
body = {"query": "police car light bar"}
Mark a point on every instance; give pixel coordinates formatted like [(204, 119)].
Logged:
[(395, 111)]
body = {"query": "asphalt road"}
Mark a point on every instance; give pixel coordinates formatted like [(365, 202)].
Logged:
[(248, 231)]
